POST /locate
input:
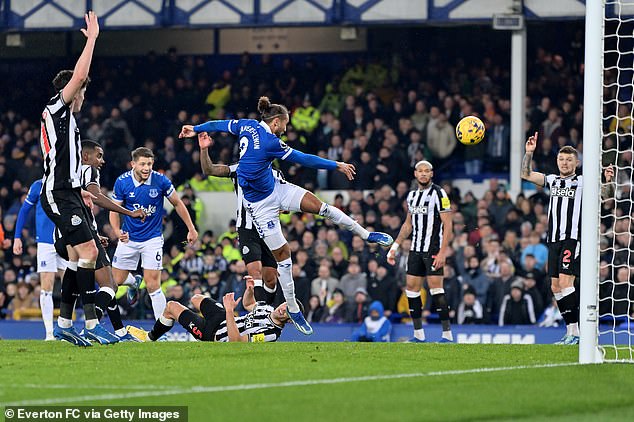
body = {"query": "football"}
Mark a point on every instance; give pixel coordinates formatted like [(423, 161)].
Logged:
[(470, 130)]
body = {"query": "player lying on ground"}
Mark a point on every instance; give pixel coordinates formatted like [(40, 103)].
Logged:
[(92, 161), (261, 264), (265, 197), (218, 321), (564, 228)]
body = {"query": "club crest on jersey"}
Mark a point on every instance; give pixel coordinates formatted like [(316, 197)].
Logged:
[(283, 145), (75, 220), (153, 193), (563, 192)]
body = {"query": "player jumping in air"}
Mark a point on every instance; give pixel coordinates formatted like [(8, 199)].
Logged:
[(261, 264), (564, 228), (265, 196), (143, 188), (429, 219)]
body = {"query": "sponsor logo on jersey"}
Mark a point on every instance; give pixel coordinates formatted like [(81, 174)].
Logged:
[(149, 210), (248, 322), (195, 330), (418, 210), (153, 193), (75, 220), (563, 192)]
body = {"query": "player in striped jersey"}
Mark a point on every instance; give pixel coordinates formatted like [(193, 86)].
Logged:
[(61, 196), (564, 228), (259, 259), (429, 219), (218, 322)]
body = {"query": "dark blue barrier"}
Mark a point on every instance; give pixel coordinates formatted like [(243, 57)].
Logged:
[(326, 332)]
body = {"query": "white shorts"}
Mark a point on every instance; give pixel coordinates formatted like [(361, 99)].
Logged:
[(266, 213), (48, 261), (126, 256)]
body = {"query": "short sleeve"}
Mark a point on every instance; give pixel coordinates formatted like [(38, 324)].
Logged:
[(444, 203), (166, 186), (277, 148), (233, 169), (117, 192), (34, 193), (549, 179), (91, 177)]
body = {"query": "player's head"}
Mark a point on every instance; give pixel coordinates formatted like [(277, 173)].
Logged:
[(567, 160), (280, 316), (61, 80), (423, 172), (92, 153), (274, 115), (142, 162)]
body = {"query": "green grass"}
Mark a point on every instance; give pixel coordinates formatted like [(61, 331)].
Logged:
[(563, 393)]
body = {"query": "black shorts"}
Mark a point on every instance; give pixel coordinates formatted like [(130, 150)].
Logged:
[(563, 258), (103, 260), (66, 209), (253, 248), (419, 264), (204, 327)]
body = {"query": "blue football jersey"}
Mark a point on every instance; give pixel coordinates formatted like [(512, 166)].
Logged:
[(258, 148), (44, 226), (149, 195)]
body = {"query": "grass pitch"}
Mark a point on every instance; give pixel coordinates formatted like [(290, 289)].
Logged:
[(321, 381)]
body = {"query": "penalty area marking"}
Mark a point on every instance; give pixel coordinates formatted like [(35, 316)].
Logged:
[(245, 387)]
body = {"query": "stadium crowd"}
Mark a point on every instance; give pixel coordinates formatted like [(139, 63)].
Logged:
[(381, 114)]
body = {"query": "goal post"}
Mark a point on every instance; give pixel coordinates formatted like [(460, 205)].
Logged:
[(592, 111), (607, 235)]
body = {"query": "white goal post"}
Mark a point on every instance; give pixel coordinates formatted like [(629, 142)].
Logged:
[(607, 296)]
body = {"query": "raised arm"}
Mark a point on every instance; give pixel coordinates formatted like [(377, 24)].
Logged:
[(82, 67), (527, 171), (607, 189), (211, 126), (316, 162), (209, 168), (233, 333)]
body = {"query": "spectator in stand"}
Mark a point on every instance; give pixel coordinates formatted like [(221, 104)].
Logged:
[(470, 310), (315, 310), (517, 307), (352, 281), (24, 298), (499, 288), (537, 249), (475, 279), (375, 327), (337, 309), (358, 308), (382, 286), (324, 285), (531, 289)]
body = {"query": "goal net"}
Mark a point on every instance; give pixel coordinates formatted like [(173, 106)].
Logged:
[(616, 258)]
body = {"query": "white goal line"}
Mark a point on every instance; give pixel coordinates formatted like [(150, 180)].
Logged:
[(244, 387)]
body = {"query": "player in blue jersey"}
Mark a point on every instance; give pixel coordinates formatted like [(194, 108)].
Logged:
[(265, 196), (144, 188), (49, 262)]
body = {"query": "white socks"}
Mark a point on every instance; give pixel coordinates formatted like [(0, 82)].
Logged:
[(46, 305), (130, 281), (420, 334), (158, 303), (341, 219), (285, 271), (572, 329), (64, 322)]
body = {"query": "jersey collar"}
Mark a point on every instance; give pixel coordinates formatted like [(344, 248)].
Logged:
[(265, 126), (137, 183)]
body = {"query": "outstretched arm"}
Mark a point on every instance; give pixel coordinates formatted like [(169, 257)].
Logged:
[(80, 73), (211, 126), (316, 162), (104, 202), (209, 168), (527, 171)]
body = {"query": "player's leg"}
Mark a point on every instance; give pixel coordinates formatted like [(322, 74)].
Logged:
[(47, 269), (440, 305), (413, 284), (561, 258), (251, 249), (152, 263), (269, 273), (310, 203)]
